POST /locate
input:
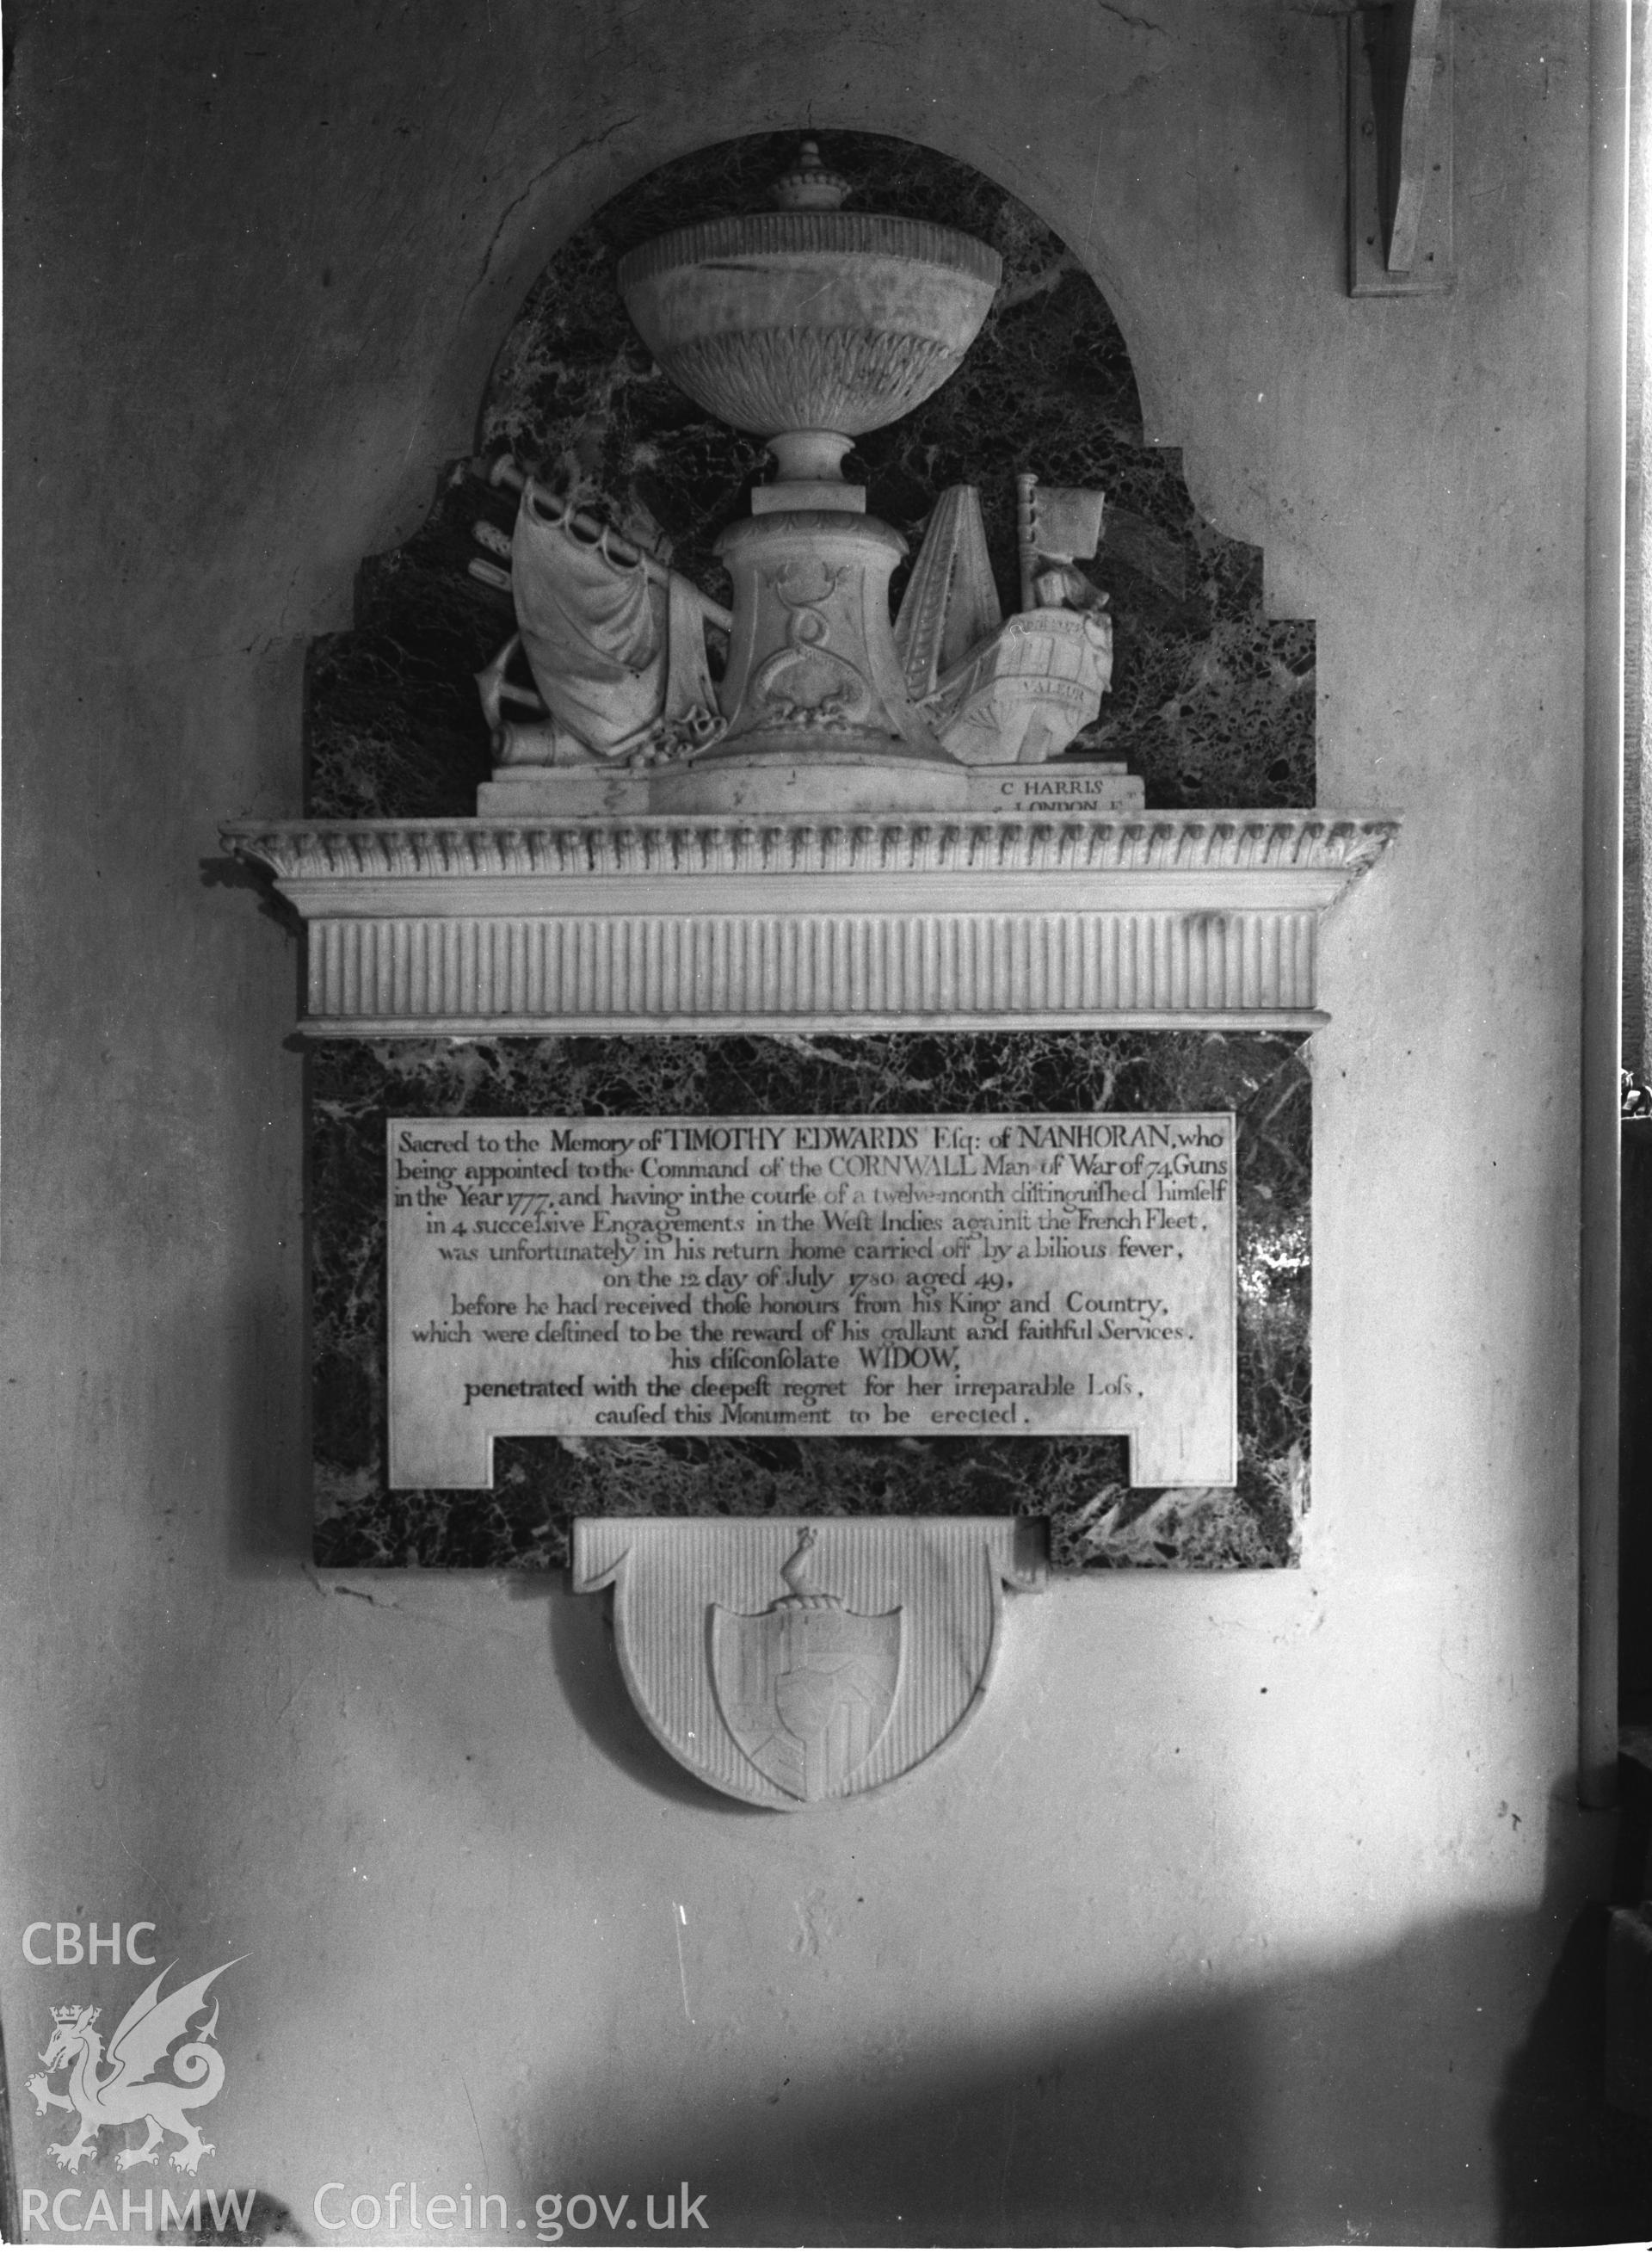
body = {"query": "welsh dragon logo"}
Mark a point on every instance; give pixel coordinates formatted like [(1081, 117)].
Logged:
[(114, 2091)]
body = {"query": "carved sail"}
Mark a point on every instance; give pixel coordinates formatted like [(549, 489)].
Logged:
[(613, 652), (1005, 691), (950, 601)]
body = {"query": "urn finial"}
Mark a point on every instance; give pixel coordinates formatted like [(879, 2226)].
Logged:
[(808, 185)]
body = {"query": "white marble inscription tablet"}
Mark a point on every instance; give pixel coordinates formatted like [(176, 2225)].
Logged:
[(960, 1275)]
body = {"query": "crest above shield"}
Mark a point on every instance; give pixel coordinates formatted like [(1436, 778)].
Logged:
[(787, 1661)]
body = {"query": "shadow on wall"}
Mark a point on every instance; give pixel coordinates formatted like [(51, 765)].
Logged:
[(1335, 2104)]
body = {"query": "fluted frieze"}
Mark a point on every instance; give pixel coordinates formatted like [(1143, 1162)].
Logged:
[(485, 926)]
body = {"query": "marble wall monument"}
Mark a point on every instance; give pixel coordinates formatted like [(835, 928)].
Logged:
[(813, 1148)]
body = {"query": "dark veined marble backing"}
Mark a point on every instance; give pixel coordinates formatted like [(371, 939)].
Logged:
[(1213, 703), (1079, 1485)]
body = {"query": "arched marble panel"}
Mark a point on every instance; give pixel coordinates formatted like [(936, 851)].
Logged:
[(1213, 703)]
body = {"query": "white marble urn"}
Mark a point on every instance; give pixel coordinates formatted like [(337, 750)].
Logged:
[(809, 326)]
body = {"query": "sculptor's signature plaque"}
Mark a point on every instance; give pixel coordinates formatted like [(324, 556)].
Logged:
[(681, 1277)]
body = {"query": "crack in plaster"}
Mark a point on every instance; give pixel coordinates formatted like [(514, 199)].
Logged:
[(1132, 23), (590, 141)]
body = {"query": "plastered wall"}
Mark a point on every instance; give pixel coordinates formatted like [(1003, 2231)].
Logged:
[(1240, 1912)]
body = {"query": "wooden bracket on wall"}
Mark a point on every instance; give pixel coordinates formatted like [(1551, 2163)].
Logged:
[(1399, 123)]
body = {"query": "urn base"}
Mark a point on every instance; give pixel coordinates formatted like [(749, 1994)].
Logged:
[(782, 778)]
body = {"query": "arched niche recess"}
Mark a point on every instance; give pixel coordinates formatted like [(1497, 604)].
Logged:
[(1212, 701)]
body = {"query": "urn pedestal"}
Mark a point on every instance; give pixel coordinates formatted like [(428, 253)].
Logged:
[(809, 325), (819, 715)]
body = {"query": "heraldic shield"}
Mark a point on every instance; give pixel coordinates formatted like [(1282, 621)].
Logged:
[(807, 1687), (790, 1663)]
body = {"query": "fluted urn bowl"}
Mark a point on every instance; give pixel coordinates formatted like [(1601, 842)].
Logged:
[(810, 321)]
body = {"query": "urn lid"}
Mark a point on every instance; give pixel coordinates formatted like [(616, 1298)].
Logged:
[(809, 220), (808, 185)]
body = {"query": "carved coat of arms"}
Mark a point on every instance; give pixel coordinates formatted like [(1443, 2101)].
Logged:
[(807, 1686), (790, 1663)]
